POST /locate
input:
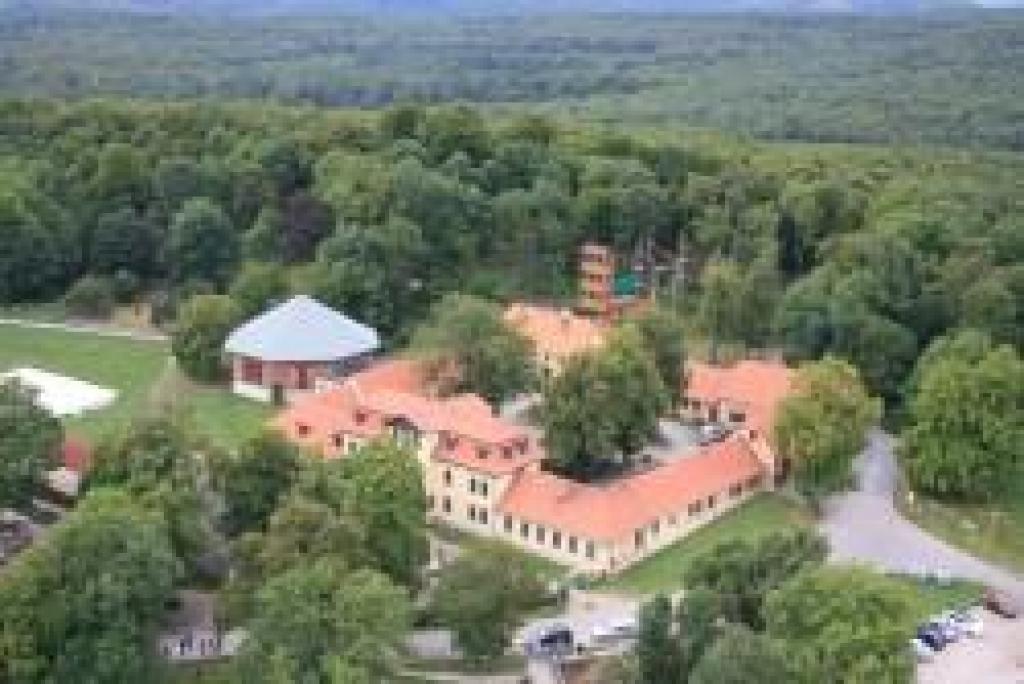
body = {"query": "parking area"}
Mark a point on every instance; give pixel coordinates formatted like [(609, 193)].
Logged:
[(997, 657), (597, 621)]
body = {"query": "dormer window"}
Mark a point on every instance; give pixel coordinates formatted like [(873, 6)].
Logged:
[(482, 452), (450, 442), (302, 429), (507, 452), (361, 417), (524, 446)]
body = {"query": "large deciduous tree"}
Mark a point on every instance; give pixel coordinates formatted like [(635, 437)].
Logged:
[(32, 255), (300, 532), (376, 272), (467, 343), (823, 425), (843, 624), (315, 623), (483, 594), (722, 302), (152, 459), (122, 239), (386, 488), (630, 369), (741, 656), (966, 424), (252, 479), (659, 656), (30, 440), (603, 405), (663, 334), (82, 604), (257, 287), (670, 645), (742, 572), (204, 323), (202, 245)]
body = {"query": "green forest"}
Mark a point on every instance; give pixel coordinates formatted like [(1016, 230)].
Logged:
[(865, 252), (843, 191), (944, 78)]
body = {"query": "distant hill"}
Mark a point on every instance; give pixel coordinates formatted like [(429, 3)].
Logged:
[(285, 7)]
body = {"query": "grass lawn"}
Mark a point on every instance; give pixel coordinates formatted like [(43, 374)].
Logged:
[(51, 312), (137, 370), (992, 531), (930, 598), (664, 570)]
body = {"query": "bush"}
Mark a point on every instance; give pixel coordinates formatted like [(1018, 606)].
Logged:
[(90, 297), (203, 323)]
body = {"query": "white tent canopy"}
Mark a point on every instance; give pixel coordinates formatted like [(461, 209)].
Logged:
[(61, 395)]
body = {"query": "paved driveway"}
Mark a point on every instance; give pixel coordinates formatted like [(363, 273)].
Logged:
[(996, 658), (864, 526)]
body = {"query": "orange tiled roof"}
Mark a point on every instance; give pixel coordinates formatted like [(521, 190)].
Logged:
[(555, 332), (395, 375), (496, 459), (471, 435), (612, 512), (758, 385)]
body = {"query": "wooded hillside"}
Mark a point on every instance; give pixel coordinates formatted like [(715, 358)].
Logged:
[(868, 253), (947, 78)]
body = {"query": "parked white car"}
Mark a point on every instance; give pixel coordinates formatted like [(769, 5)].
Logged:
[(922, 651), (970, 623), (949, 627)]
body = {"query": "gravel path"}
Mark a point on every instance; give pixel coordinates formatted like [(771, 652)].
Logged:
[(101, 329), (864, 526)]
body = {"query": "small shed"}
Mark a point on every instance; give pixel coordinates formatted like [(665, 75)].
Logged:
[(293, 346)]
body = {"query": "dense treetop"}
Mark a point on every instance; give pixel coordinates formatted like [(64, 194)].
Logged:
[(920, 78), (862, 252)]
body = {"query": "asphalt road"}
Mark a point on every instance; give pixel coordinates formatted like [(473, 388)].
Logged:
[(864, 526)]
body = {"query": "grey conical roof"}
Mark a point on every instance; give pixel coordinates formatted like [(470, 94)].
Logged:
[(302, 329)]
